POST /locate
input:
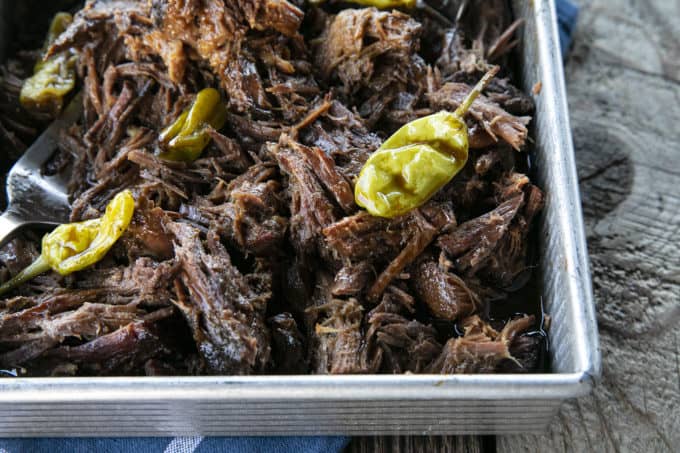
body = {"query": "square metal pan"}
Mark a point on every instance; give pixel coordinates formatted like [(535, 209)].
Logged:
[(370, 404)]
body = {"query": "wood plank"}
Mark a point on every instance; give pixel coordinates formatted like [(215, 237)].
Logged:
[(624, 87), (420, 444)]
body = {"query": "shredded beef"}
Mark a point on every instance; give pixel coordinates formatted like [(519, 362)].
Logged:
[(254, 257), (423, 234), (359, 46), (343, 135), (124, 351), (353, 279), (482, 349), (337, 339), (444, 293), (494, 121), (247, 212), (399, 344), (223, 308), (473, 242)]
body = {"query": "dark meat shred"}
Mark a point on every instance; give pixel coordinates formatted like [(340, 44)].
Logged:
[(254, 257), (352, 279), (124, 351), (360, 44), (399, 344), (444, 293), (473, 242), (223, 308), (337, 338), (482, 349), (495, 123)]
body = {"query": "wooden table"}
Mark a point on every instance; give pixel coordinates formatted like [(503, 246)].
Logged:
[(623, 79)]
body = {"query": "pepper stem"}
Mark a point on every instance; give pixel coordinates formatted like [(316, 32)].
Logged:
[(476, 91), (36, 268)]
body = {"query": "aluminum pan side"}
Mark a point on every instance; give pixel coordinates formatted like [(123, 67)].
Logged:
[(568, 294), (370, 404)]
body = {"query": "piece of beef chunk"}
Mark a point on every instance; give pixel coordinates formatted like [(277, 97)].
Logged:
[(353, 279), (472, 191), (36, 334), (144, 281), (388, 245), (362, 236), (124, 351), (482, 349), (483, 34), (422, 234), (288, 80), (279, 15), (396, 343), (247, 212), (333, 182), (103, 299), (360, 47), (494, 122), (510, 260), (365, 237), (495, 245), (99, 20), (16, 255), (490, 163), (33, 331), (231, 156), (296, 283), (343, 135), (146, 235), (318, 192), (224, 309), (444, 293), (456, 57), (472, 243), (527, 351), (509, 97), (336, 336)]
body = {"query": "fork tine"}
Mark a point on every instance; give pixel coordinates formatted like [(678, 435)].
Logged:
[(46, 143), (34, 199)]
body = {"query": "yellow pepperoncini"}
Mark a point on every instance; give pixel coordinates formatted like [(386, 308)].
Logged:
[(185, 138), (53, 78), (59, 24), (74, 246), (416, 161)]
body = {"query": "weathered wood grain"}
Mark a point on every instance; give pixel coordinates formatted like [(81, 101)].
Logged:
[(420, 444), (624, 95)]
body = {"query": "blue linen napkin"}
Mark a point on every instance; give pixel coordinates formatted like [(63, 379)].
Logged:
[(567, 14), (330, 444)]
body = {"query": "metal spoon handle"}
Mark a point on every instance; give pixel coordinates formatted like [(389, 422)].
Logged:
[(10, 224)]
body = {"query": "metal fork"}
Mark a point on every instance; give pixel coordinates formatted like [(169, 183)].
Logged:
[(34, 199)]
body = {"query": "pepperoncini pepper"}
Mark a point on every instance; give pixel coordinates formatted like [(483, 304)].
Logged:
[(417, 160), (53, 78), (186, 137), (74, 246)]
